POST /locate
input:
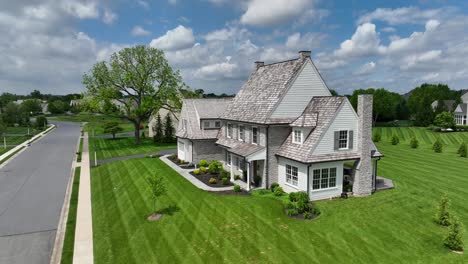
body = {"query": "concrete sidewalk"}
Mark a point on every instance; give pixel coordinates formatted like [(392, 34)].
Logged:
[(83, 250)]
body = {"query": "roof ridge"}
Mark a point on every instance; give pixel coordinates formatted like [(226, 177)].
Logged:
[(278, 62)]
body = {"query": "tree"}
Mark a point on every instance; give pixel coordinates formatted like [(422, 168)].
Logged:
[(462, 150), (444, 120), (113, 128), (395, 140), (36, 94), (377, 137), (141, 79), (414, 143), (31, 106), (437, 146), (441, 107), (2, 127), (385, 103), (454, 238), (158, 130), (41, 122), (57, 107), (11, 114), (442, 216), (157, 188), (5, 98), (168, 129)]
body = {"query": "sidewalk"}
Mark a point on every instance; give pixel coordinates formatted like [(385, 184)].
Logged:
[(83, 250)]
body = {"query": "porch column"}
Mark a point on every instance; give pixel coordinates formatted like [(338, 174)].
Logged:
[(232, 165), (248, 176)]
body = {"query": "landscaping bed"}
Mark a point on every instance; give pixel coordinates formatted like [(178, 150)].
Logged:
[(205, 178), (181, 163)]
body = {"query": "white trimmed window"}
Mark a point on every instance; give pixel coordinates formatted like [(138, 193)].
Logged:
[(323, 178), (291, 175), (297, 136), (228, 159), (254, 135), (217, 124), (229, 130), (206, 124), (343, 139), (241, 133)]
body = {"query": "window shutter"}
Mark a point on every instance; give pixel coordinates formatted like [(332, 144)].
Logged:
[(337, 136), (351, 138)]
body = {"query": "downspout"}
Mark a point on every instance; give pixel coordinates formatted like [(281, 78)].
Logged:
[(375, 174), (308, 183), (267, 158)]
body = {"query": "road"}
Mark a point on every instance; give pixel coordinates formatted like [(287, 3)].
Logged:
[(32, 191)]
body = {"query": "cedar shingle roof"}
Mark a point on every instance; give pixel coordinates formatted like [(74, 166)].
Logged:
[(238, 147), (262, 91), (196, 109)]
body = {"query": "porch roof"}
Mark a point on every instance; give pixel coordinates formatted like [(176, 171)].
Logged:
[(238, 147)]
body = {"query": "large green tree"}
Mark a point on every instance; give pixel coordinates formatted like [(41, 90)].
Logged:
[(31, 106), (385, 104), (141, 79)]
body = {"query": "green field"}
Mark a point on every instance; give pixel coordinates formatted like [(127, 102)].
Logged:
[(69, 241), (393, 226), (124, 146)]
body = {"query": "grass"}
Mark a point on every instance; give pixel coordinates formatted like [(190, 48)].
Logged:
[(11, 155), (22, 130), (80, 150), (69, 241), (124, 146), (391, 226), (425, 136)]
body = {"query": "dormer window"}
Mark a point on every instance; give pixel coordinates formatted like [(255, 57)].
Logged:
[(297, 136), (229, 130), (254, 135), (343, 140), (241, 133), (217, 124), (206, 124)]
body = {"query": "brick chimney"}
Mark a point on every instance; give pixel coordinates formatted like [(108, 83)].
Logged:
[(259, 64), (363, 181), (304, 54)]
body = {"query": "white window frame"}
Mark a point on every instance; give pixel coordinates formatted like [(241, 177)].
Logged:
[(229, 129), (241, 135), (340, 139), (206, 124), (300, 134), (217, 124), (319, 179), (292, 175), (240, 164), (228, 159), (255, 142)]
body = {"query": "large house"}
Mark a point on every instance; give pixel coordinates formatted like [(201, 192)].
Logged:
[(461, 112), (284, 126)]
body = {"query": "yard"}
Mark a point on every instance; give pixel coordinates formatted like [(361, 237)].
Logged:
[(389, 227)]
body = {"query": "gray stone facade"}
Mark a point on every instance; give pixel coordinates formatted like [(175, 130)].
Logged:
[(276, 137), (206, 150), (363, 179)]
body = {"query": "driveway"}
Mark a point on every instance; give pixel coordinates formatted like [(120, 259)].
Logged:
[(32, 190)]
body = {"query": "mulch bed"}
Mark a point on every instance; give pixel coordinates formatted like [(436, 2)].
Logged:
[(205, 178), (232, 192), (185, 166), (301, 216)]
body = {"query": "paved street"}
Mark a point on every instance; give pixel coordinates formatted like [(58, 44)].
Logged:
[(32, 190)]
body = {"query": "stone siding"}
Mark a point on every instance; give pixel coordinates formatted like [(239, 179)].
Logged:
[(276, 137)]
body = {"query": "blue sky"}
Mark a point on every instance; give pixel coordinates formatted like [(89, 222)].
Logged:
[(49, 44)]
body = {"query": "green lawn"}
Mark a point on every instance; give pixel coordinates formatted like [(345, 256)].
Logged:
[(425, 136), (124, 146), (391, 226), (22, 130), (69, 241)]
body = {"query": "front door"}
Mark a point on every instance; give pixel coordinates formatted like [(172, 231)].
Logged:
[(181, 151), (257, 170)]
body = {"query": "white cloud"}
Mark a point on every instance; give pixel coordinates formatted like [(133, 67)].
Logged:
[(216, 71), (172, 2), (307, 41), (139, 31), (273, 12), (109, 17), (404, 15), (175, 39), (366, 68), (143, 4), (365, 41), (432, 24), (389, 29), (81, 9)]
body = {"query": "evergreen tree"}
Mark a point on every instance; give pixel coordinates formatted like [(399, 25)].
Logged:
[(395, 140), (377, 137), (437, 147), (442, 216), (454, 239), (462, 150), (168, 129), (414, 143), (158, 130)]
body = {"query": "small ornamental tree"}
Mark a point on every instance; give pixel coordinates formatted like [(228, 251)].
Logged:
[(41, 122), (444, 120), (158, 130), (376, 137), (168, 129), (437, 146), (157, 187), (395, 140), (442, 216), (454, 238), (112, 128), (414, 143), (462, 150)]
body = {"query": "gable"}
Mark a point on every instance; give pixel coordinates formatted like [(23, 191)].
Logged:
[(346, 119), (458, 109), (465, 98), (307, 84)]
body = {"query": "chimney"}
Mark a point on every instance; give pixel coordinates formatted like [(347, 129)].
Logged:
[(304, 54), (259, 64), (363, 180)]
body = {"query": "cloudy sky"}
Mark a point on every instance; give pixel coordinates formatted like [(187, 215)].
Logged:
[(48, 44)]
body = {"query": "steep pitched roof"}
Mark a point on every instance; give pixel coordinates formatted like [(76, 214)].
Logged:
[(262, 91), (238, 147), (463, 108), (195, 109)]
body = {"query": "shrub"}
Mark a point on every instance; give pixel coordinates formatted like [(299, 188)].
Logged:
[(215, 166), (41, 122), (236, 177), (444, 120), (289, 205), (224, 174), (263, 191), (173, 156), (454, 238), (376, 137), (278, 191), (273, 186), (442, 216), (307, 215), (316, 211), (291, 212), (237, 188), (462, 150), (395, 140), (196, 171), (437, 146), (203, 163), (303, 202), (213, 181), (203, 170), (257, 180), (293, 197), (225, 181), (414, 143)]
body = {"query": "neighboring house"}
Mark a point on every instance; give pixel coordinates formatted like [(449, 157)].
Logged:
[(76, 102), (44, 104), (448, 104), (162, 113), (198, 128), (284, 126), (461, 111)]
